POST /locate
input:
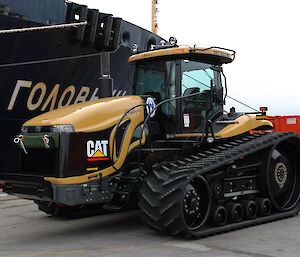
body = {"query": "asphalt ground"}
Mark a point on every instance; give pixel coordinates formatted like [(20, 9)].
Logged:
[(25, 231), (5, 197)]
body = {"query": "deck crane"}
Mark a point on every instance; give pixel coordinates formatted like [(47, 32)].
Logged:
[(154, 16)]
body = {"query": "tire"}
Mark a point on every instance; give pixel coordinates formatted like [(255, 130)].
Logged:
[(264, 206), (219, 216), (174, 203), (250, 209), (235, 212)]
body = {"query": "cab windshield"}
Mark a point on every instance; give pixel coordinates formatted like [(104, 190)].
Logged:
[(172, 78)]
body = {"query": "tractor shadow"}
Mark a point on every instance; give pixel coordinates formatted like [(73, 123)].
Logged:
[(104, 225)]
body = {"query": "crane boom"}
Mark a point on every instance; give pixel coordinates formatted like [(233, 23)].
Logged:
[(154, 16)]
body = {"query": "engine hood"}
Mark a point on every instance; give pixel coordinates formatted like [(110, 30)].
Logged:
[(92, 116)]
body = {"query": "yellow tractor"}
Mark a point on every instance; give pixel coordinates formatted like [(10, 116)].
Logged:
[(170, 148)]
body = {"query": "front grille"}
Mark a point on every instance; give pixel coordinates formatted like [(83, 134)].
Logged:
[(39, 162), (38, 129)]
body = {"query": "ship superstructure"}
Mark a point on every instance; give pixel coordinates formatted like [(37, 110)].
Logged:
[(52, 67)]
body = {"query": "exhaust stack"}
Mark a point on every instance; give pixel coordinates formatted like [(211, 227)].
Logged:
[(105, 81)]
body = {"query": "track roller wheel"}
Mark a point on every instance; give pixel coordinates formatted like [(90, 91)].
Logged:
[(281, 175), (219, 216), (264, 206), (250, 209), (175, 204), (235, 212)]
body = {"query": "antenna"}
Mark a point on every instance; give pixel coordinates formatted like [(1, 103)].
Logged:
[(154, 16)]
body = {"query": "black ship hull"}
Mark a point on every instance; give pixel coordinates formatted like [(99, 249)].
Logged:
[(47, 69)]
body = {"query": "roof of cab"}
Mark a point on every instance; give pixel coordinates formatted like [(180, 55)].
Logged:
[(220, 54)]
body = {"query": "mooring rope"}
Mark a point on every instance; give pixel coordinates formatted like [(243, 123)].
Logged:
[(10, 31)]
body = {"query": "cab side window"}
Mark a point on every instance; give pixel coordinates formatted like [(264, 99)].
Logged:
[(158, 79)]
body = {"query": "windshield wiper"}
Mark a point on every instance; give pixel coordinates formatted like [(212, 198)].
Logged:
[(208, 74)]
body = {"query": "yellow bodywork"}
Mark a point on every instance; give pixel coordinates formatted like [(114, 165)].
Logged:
[(183, 51), (242, 125), (105, 113), (96, 116), (91, 116)]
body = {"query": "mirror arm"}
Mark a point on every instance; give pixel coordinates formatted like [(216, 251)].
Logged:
[(225, 82)]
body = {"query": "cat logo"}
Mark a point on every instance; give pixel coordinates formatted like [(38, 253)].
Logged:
[(97, 151)]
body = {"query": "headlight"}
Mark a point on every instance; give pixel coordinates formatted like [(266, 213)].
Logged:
[(24, 129), (62, 128), (44, 129)]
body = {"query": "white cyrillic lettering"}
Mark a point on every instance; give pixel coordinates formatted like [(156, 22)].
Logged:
[(39, 86), (95, 95), (83, 94), (70, 89), (53, 96), (20, 83)]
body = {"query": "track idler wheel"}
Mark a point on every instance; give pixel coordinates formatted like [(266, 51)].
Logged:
[(235, 212), (281, 177), (250, 208), (219, 216), (264, 206)]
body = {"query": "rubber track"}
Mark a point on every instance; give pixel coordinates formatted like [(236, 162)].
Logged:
[(162, 189)]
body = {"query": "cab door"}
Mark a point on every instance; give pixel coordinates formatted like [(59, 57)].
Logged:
[(199, 79)]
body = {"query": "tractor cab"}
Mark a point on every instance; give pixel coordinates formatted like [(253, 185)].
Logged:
[(186, 81)]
